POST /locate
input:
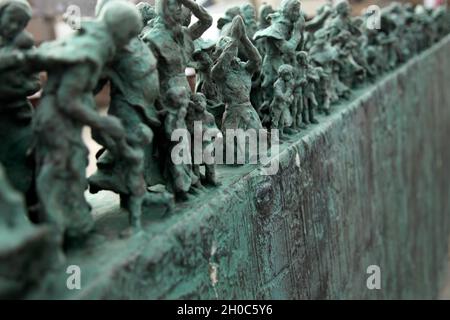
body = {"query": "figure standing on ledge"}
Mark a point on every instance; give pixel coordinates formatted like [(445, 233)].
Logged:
[(283, 38), (17, 82), (283, 98), (350, 72), (323, 91), (203, 63), (173, 45), (74, 67), (182, 176), (134, 89), (299, 86), (198, 115), (234, 78), (309, 97), (341, 21)]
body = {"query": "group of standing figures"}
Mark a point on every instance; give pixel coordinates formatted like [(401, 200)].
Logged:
[(273, 71)]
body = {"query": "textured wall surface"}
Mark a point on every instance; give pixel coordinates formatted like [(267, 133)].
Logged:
[(367, 186)]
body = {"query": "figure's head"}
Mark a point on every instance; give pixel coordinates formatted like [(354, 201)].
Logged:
[(358, 22), (343, 8), (178, 96), (199, 101), (302, 58), (248, 12), (14, 17), (203, 52), (221, 45), (395, 7), (147, 12), (172, 12), (291, 9), (122, 20), (286, 72), (233, 12), (264, 11)]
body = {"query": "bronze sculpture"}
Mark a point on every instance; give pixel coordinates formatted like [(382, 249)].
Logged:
[(275, 73), (18, 81), (67, 105)]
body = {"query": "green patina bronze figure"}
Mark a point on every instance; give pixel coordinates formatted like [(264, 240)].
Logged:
[(350, 72), (17, 82), (183, 178), (257, 94), (224, 23), (172, 42), (283, 98), (283, 38), (27, 252), (203, 62), (341, 21), (309, 89), (127, 168), (203, 129), (324, 55), (264, 17), (299, 86), (234, 78), (158, 137), (323, 93), (74, 67), (324, 14), (248, 14)]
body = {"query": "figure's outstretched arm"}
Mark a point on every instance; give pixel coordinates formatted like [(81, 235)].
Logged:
[(204, 22), (72, 89), (319, 20)]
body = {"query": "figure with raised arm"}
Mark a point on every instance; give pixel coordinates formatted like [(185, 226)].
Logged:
[(234, 78), (172, 43)]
